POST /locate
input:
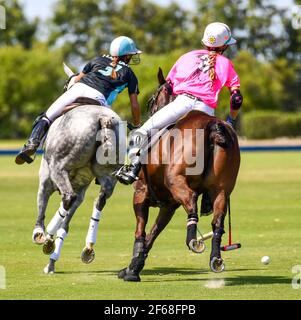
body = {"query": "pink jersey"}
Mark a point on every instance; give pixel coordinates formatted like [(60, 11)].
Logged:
[(190, 74)]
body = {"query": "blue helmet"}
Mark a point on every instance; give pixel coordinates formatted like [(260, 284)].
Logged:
[(122, 46)]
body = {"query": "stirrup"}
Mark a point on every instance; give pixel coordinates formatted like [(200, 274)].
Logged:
[(125, 177)]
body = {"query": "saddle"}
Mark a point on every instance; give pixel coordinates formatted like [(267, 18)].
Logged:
[(79, 102)]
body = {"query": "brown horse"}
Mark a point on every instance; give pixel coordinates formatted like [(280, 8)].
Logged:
[(169, 184)]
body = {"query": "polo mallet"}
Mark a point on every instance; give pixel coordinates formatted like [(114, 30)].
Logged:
[(230, 246), (198, 245)]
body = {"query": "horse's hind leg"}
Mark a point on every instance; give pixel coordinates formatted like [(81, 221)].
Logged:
[(61, 179), (45, 190), (107, 187), (183, 194), (219, 213), (62, 232)]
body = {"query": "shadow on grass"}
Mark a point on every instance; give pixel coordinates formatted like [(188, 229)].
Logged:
[(185, 274), (254, 280)]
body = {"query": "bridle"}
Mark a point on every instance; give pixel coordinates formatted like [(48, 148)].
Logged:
[(152, 107)]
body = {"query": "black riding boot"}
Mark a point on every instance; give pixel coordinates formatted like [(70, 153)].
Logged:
[(39, 130), (128, 173)]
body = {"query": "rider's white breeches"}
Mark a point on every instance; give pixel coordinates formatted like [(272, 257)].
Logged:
[(77, 90), (164, 117), (173, 111)]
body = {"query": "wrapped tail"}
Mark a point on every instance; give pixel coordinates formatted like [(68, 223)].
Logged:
[(219, 134)]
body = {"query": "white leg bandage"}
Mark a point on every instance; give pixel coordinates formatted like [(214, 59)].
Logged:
[(56, 221), (61, 235), (93, 227)]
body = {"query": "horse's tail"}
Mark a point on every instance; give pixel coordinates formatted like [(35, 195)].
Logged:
[(219, 134), (106, 135)]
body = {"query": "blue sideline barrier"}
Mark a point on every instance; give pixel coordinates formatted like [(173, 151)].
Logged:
[(11, 152)]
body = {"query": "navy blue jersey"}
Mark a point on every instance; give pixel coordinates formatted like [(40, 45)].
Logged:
[(98, 75)]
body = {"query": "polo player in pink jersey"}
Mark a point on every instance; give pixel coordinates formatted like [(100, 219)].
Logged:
[(196, 80)]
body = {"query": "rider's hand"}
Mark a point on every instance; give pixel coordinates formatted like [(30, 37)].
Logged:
[(231, 121), (132, 126)]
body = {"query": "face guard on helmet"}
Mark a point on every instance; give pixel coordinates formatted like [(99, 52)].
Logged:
[(217, 35), (123, 46)]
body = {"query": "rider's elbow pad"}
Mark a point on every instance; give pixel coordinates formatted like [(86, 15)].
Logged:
[(236, 99)]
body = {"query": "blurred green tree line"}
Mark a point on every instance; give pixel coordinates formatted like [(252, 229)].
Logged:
[(267, 56)]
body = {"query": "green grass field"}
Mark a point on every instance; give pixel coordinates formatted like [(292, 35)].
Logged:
[(266, 219)]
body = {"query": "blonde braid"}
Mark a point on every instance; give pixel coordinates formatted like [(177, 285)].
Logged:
[(212, 60), (114, 64)]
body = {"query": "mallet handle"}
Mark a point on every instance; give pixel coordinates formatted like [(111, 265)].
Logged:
[(206, 236)]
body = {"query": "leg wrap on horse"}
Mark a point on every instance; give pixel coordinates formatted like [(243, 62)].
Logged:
[(61, 235), (93, 226), (216, 242), (191, 227), (139, 256), (57, 220)]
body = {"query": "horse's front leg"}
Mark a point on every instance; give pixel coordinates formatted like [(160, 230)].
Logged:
[(107, 187), (219, 213), (164, 216), (61, 178), (141, 207)]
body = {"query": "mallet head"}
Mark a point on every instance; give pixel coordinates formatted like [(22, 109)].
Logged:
[(232, 246)]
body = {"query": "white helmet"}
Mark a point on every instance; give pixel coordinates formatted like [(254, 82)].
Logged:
[(122, 46), (217, 34)]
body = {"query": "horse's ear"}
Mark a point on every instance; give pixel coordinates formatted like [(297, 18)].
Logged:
[(161, 78)]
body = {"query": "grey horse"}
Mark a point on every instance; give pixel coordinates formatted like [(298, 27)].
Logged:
[(83, 144)]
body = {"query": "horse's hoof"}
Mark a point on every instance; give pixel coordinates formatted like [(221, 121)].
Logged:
[(131, 276), (38, 236), (197, 246), (49, 245), (88, 255), (217, 265), (122, 273), (50, 269)]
